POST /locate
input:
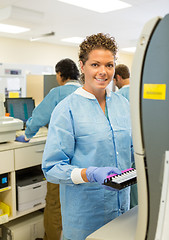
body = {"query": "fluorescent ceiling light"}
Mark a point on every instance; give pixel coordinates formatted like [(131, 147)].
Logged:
[(50, 34), (98, 5), (12, 29), (14, 13), (76, 40), (130, 49)]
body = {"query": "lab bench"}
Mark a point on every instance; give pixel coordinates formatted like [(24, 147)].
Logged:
[(123, 227), (15, 156)]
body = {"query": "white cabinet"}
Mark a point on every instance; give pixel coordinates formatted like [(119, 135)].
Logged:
[(16, 156), (6, 161), (28, 156), (7, 194)]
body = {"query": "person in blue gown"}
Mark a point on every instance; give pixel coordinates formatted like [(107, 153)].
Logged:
[(67, 75), (122, 80), (89, 138)]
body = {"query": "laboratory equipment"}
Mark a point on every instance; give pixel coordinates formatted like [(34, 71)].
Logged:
[(3, 180), (150, 127), (99, 174), (13, 77), (12, 81), (31, 188), (123, 180), (150, 102), (28, 227), (20, 108), (8, 125)]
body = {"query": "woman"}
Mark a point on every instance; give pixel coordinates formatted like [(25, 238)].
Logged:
[(90, 137)]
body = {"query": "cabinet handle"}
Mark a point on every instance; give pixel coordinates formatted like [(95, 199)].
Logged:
[(40, 151), (37, 204), (37, 187)]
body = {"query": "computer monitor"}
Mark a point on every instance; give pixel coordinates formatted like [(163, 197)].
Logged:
[(20, 108)]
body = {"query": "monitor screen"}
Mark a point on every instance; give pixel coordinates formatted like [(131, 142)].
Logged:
[(20, 108)]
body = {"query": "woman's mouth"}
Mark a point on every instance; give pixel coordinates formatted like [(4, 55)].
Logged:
[(101, 79)]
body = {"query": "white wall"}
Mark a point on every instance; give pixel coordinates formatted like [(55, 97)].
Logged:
[(126, 59), (26, 52)]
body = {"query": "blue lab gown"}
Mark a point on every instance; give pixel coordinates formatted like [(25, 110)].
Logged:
[(42, 113), (80, 136), (124, 91), (133, 195)]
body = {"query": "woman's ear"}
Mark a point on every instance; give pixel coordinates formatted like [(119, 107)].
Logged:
[(81, 66)]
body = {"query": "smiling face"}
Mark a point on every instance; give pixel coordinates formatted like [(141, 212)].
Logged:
[(98, 70)]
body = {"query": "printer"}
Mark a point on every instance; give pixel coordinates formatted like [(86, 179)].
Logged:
[(31, 188)]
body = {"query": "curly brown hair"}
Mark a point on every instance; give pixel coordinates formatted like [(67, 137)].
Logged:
[(96, 41)]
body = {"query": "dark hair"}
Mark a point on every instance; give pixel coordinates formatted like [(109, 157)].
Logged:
[(67, 69), (122, 70), (96, 41)]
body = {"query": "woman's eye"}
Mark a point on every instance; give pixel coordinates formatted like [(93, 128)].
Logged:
[(110, 65), (94, 64)]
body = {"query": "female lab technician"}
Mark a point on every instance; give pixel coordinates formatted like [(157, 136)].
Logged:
[(90, 137), (67, 75)]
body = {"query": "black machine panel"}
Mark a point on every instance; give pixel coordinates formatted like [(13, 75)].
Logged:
[(155, 116)]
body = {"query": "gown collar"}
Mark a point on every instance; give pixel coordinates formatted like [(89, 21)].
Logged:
[(86, 94), (73, 82)]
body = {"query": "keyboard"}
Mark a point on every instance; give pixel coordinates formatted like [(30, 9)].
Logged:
[(127, 178), (43, 132), (20, 132)]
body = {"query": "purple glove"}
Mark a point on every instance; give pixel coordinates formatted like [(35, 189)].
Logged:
[(99, 174), (21, 139)]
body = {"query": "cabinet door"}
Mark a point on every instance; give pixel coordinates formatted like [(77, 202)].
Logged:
[(28, 156), (6, 161)]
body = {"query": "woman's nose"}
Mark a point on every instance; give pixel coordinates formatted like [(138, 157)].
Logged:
[(102, 70)]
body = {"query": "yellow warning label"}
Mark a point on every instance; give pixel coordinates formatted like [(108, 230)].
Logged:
[(154, 91), (13, 94)]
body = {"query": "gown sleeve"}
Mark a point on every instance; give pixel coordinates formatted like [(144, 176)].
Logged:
[(42, 113), (59, 148)]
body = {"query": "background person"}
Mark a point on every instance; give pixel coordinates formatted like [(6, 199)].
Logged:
[(89, 137), (122, 79), (67, 75)]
